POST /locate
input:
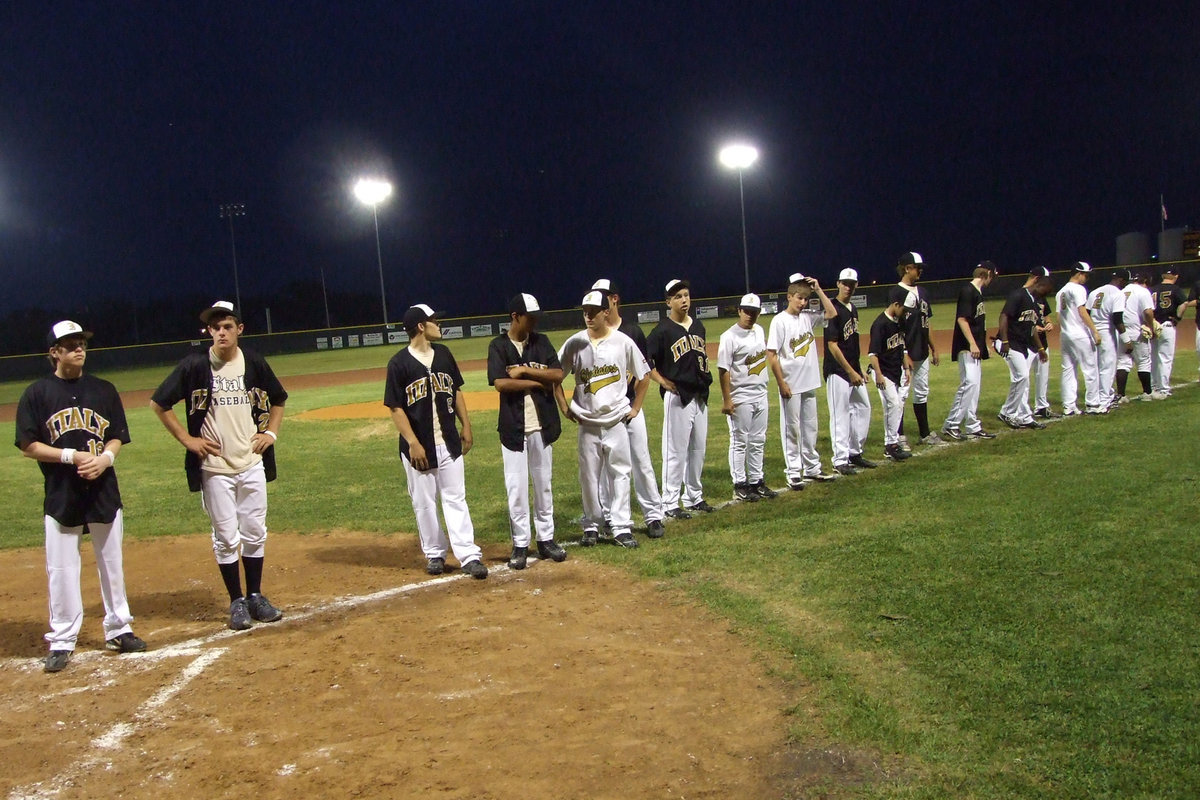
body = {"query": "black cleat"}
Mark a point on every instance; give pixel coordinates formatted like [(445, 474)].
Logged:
[(846, 469), (654, 529), (625, 540), (678, 513), (552, 550), (590, 538), (261, 609), (435, 566), (981, 434), (896, 452), (519, 558), (702, 506), (952, 434), (744, 493), (239, 616), (57, 660), (1033, 424), (476, 569), (762, 490), (859, 461), (1009, 421), (796, 485), (125, 643)]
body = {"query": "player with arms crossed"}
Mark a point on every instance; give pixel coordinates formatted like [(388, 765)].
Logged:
[(645, 484), (602, 360), (1018, 344), (968, 346), (1169, 305), (1080, 339), (424, 394), (845, 387), (920, 350), (888, 364), (792, 353), (678, 357), (1106, 304), (234, 408), (73, 425), (524, 369), (742, 368)]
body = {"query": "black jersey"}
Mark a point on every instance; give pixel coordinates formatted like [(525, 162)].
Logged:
[(1024, 313), (681, 356), (970, 308), (842, 329), (887, 344), (426, 395), (1168, 297), (631, 329), (83, 414), (1043, 309), (914, 319), (510, 422), (1196, 296)]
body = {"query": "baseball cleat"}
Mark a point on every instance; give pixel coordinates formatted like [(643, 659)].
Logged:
[(125, 643), (57, 660), (859, 461), (625, 540), (1097, 410), (821, 476), (654, 529), (435, 566), (590, 538), (932, 438), (261, 609), (1034, 425), (1009, 421), (1046, 413), (896, 452), (476, 569), (981, 434), (678, 513), (239, 616), (796, 485), (519, 558), (846, 469), (702, 506), (762, 490), (744, 493), (552, 550), (952, 434), (1071, 412)]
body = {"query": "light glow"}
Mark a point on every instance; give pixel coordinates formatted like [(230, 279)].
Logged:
[(372, 191), (738, 156)]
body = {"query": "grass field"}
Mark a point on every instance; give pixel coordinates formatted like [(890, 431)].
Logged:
[(1013, 618)]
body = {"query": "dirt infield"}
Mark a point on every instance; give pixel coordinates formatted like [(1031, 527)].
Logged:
[(565, 680)]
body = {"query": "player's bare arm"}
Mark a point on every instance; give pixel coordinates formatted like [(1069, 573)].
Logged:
[(880, 381), (460, 411), (851, 372), (964, 325), (933, 353), (416, 453), (260, 441), (564, 407), (541, 375), (513, 384), (1086, 316), (726, 392), (663, 381), (785, 389), (1002, 335), (200, 446), (826, 303)]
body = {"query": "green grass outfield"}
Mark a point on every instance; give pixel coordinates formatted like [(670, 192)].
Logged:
[(1014, 618)]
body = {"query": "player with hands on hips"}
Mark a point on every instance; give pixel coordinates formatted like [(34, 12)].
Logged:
[(968, 347), (523, 367), (1169, 305), (792, 354), (845, 388), (920, 349), (234, 409), (73, 425), (602, 361), (1018, 344), (1080, 340), (889, 365), (423, 392), (742, 370)]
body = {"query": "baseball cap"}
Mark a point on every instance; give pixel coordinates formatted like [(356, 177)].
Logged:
[(1123, 273), (985, 264), (1170, 271), (897, 294), (1039, 272), (606, 285), (595, 298), (418, 314), (675, 284), (848, 275), (750, 301), (61, 330), (219, 310), (797, 277), (1081, 266), (524, 304), (911, 258)]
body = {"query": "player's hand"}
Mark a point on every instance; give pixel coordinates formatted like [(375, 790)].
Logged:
[(569, 414), (1043, 356), (975, 352), (669, 385), (416, 456), (933, 356), (908, 362), (202, 447), (1096, 340), (90, 467), (785, 390), (1128, 348), (1049, 326), (631, 416), (468, 441), (727, 408), (881, 384), (259, 443), (515, 370), (856, 379)]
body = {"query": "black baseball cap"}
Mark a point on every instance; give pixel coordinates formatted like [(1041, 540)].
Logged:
[(606, 285), (1170, 270), (897, 294), (985, 264), (1123, 274), (1081, 266), (418, 314), (911, 258), (675, 284), (220, 310), (1039, 272), (61, 330), (524, 304)]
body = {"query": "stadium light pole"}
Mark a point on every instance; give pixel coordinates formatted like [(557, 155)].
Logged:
[(372, 192), (740, 157), (229, 211)]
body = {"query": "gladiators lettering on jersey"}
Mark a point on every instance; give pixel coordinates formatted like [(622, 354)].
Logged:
[(799, 345), (685, 344), (598, 377), (76, 419), (756, 362)]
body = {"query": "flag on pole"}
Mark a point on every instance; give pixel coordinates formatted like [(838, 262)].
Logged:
[(1164, 208)]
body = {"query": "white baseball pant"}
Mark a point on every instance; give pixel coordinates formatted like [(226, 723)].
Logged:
[(1016, 407), (893, 410), (424, 488), (1106, 365), (63, 567), (604, 457), (1140, 357), (645, 484), (237, 508), (849, 418), (798, 431), (684, 439), (1163, 358), (535, 463), (747, 440), (1079, 354), (919, 382), (1039, 374), (964, 410)]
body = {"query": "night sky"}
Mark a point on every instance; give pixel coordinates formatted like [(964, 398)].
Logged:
[(537, 146)]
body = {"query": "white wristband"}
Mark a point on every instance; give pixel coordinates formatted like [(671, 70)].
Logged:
[(112, 457), (67, 456), (272, 435)]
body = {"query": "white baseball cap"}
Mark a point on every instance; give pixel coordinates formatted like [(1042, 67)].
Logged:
[(524, 304), (750, 301), (595, 298), (848, 275), (606, 285), (675, 284), (797, 277)]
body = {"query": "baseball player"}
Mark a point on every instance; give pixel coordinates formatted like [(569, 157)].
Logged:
[(1080, 339), (968, 347), (1039, 369), (845, 388), (678, 358), (1018, 344), (73, 425), (423, 392), (523, 367), (602, 361), (1106, 304), (645, 484), (1139, 325), (742, 370), (921, 351), (234, 409), (1169, 305), (886, 354), (792, 354)]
